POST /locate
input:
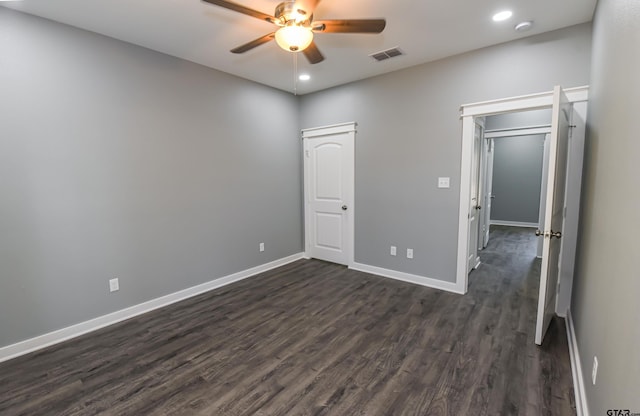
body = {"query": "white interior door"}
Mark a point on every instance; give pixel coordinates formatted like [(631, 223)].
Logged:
[(329, 192), (474, 206), (554, 212), (488, 194)]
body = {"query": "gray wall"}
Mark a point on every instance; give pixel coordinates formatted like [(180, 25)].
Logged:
[(409, 134), (605, 306), (116, 161), (517, 178)]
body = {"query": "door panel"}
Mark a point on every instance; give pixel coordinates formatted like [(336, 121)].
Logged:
[(329, 188), (328, 231), (556, 180), (488, 194), (474, 204), (328, 175)]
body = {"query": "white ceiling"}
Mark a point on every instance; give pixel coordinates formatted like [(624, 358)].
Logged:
[(425, 30)]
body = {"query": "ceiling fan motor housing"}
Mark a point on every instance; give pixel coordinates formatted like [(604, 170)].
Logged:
[(288, 14)]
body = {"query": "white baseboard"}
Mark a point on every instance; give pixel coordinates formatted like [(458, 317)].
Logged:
[(582, 409), (407, 277), (514, 223), (42, 341)]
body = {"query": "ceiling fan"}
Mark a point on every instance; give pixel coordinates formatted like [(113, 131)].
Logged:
[(296, 26)]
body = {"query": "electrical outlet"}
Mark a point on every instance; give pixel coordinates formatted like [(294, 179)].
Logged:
[(409, 253), (392, 251), (443, 182), (261, 247), (114, 285), (594, 371)]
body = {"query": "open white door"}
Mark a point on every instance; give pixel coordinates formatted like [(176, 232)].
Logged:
[(329, 192), (473, 260), (554, 212), (488, 194)]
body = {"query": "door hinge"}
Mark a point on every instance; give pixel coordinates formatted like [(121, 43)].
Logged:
[(306, 153)]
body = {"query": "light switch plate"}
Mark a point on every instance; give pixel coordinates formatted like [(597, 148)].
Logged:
[(443, 182)]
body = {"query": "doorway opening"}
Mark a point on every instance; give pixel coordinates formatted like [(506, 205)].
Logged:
[(514, 159), (473, 189)]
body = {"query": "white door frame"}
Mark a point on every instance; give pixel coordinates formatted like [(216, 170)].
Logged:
[(483, 109), (315, 132), (543, 192)]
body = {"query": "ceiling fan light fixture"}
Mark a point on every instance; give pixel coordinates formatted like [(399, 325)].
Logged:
[(294, 38)]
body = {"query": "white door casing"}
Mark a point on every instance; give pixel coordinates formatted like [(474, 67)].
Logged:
[(572, 203), (329, 174), (543, 191), (554, 211)]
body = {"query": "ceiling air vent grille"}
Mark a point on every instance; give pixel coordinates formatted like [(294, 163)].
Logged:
[(384, 55)]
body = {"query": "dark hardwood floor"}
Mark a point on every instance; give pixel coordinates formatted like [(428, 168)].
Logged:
[(313, 338)]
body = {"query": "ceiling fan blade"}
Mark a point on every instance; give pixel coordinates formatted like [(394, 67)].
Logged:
[(312, 53), (349, 26), (254, 43), (308, 6), (242, 9)]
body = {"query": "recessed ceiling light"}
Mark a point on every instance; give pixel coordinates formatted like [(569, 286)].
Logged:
[(503, 15), (304, 77), (523, 26)]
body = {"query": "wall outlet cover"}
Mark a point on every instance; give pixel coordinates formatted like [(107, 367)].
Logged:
[(443, 182), (114, 285), (409, 253), (261, 246), (392, 251)]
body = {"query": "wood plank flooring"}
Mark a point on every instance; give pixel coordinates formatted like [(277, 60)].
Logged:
[(314, 338)]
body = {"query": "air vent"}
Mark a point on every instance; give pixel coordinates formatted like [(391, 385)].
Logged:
[(384, 55)]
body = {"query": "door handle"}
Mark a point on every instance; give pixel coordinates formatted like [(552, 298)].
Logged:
[(552, 234), (344, 207)]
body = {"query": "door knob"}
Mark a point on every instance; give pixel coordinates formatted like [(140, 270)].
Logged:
[(557, 234), (552, 234), (344, 207)]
